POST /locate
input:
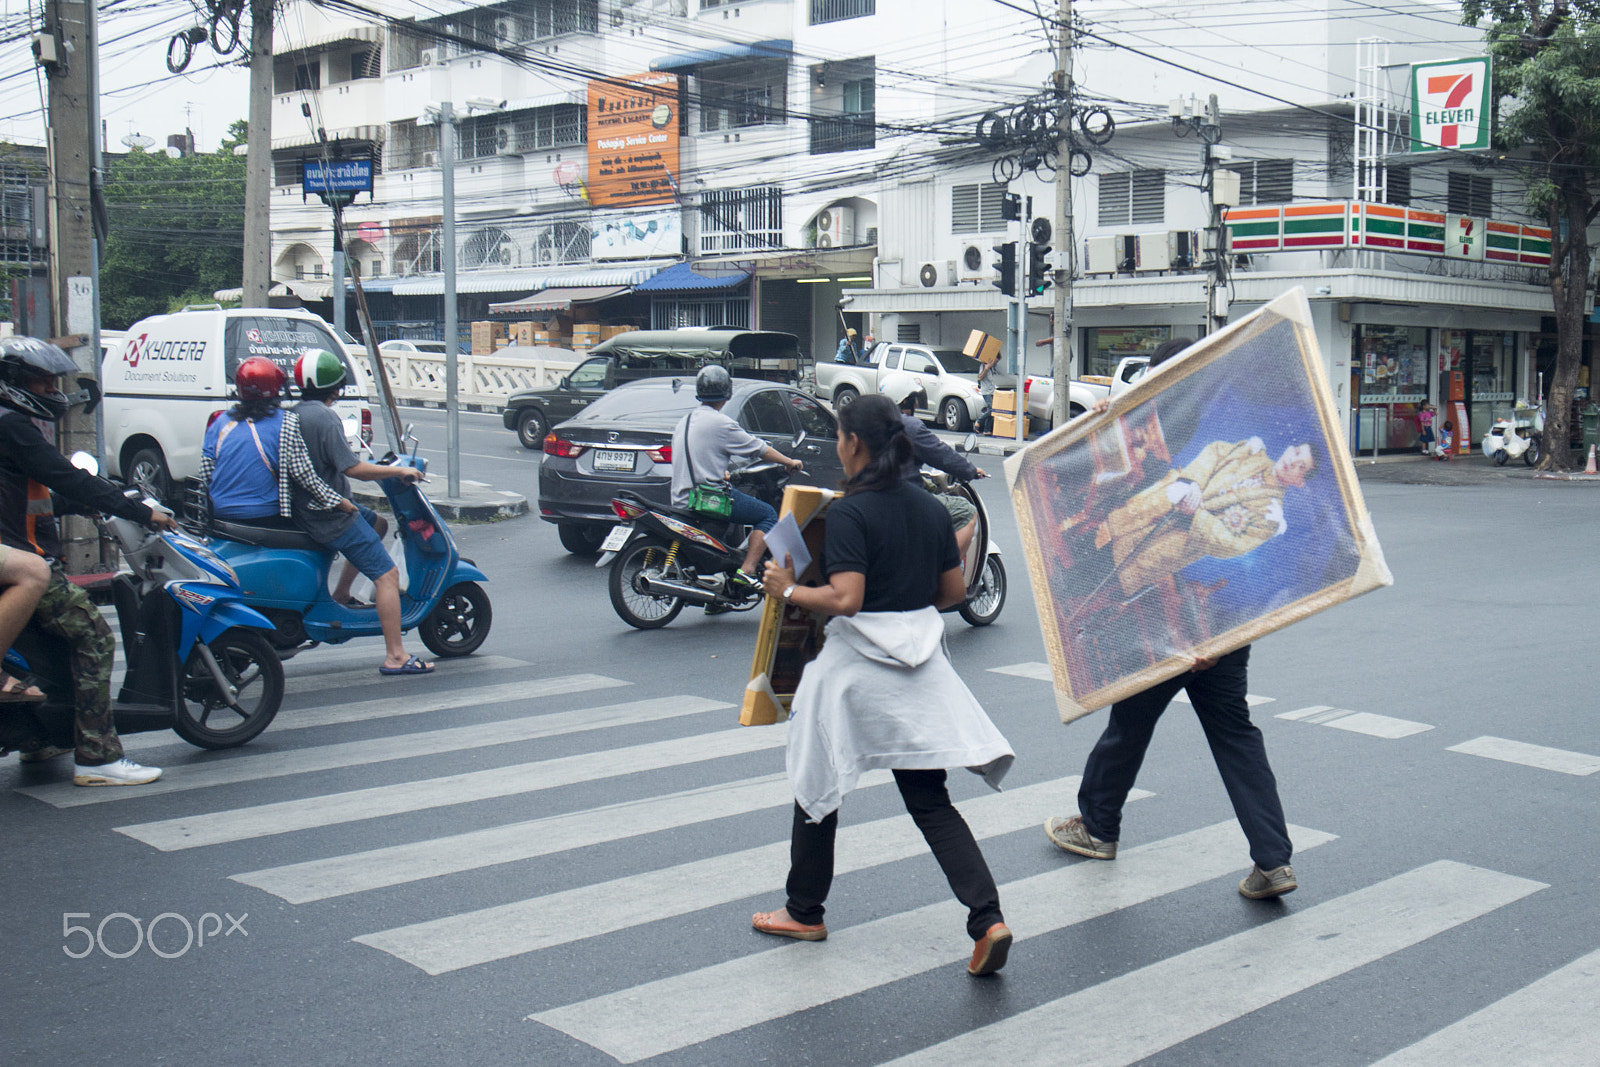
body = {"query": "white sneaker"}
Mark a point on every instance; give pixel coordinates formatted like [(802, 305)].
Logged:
[(122, 772)]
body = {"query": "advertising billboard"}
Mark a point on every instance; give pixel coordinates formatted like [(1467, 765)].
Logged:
[(1451, 104), (633, 140)]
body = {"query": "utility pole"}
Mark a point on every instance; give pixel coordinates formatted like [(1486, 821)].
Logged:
[(1221, 189), (258, 163), (1061, 321), (452, 331), (74, 317)]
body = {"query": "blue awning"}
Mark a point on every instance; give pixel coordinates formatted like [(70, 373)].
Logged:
[(703, 56), (681, 278)]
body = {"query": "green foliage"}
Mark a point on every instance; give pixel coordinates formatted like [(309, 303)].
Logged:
[(177, 231)]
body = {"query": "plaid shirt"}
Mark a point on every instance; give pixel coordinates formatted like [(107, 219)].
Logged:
[(294, 466)]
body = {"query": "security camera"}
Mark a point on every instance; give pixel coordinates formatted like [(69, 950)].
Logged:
[(843, 300)]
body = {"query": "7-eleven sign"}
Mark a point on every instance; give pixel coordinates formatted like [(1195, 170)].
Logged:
[(1450, 104)]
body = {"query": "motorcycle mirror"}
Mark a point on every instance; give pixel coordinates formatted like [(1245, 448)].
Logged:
[(970, 443), (799, 439), (86, 462), (91, 389)]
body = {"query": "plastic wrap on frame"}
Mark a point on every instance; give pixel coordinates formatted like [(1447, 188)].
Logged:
[(1183, 522)]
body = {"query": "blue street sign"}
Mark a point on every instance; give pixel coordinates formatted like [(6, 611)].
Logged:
[(337, 176)]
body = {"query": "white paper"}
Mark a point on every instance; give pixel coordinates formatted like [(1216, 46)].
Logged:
[(784, 539)]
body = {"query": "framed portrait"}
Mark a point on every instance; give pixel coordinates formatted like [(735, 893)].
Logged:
[(1214, 503)]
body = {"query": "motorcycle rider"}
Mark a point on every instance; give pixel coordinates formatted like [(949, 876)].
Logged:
[(30, 467), (926, 448), (253, 453), (356, 532), (703, 443)]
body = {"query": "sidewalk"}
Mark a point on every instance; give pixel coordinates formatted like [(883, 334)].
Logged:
[(478, 502)]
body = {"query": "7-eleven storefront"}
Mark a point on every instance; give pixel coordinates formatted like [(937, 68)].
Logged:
[(1398, 339)]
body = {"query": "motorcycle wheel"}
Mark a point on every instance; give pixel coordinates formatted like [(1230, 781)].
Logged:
[(203, 718), (1500, 457), (459, 622), (635, 607), (983, 606), (1535, 450)]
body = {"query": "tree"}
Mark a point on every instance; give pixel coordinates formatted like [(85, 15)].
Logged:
[(1546, 56), (177, 230)]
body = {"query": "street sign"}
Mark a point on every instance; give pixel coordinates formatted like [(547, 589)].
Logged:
[(336, 176), (1451, 104)]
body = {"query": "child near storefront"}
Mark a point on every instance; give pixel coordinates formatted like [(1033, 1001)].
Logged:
[(1425, 416), (1447, 440)]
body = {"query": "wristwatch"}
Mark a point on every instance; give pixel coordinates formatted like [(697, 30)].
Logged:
[(790, 591)]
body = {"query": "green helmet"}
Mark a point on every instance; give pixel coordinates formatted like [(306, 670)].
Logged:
[(318, 369)]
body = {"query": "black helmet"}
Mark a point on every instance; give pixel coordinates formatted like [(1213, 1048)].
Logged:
[(27, 359), (713, 384)]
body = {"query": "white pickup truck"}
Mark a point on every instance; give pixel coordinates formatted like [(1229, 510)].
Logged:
[(946, 384)]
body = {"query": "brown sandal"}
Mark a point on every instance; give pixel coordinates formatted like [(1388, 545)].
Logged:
[(780, 924), (14, 692)]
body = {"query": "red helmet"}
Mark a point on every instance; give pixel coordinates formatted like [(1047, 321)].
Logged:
[(258, 378)]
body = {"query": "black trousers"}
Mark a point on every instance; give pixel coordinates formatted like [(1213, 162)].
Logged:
[(1236, 746), (947, 834)]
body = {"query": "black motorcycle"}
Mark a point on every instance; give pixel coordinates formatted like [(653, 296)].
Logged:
[(662, 558)]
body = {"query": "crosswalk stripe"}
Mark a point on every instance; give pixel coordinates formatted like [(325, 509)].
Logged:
[(266, 820), (1546, 759), (347, 678), (1304, 713), (674, 1013), (470, 938), (1250, 699), (300, 883), (1365, 722), (1145, 1011), (1039, 672), (381, 749), (1552, 1022), (398, 702)]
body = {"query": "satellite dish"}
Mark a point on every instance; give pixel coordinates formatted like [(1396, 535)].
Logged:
[(174, 152), (138, 140)]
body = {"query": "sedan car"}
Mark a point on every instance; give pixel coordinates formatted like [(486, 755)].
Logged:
[(624, 441)]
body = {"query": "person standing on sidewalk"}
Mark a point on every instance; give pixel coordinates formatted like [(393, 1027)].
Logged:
[(883, 693), (1216, 689)]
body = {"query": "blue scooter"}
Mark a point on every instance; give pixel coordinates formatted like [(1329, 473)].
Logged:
[(284, 574), (197, 659)]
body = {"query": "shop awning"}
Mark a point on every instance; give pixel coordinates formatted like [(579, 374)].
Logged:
[(910, 301), (558, 299), (374, 134), (703, 56), (355, 34), (528, 103), (525, 281), (681, 278)]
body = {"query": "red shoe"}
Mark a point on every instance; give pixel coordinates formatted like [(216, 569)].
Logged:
[(989, 955), (780, 924)]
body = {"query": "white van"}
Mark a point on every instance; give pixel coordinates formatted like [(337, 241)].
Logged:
[(171, 374)]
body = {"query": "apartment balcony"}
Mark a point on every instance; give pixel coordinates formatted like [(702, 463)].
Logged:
[(839, 10), (843, 133)]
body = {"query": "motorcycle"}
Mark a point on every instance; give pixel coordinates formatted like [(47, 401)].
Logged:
[(197, 661), (662, 558), (1503, 442), (285, 577), (986, 573)]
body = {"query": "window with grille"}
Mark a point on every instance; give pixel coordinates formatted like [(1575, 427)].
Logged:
[(738, 95), (1264, 181), (16, 217), (409, 146), (1132, 197), (739, 220), (551, 18), (681, 314), (559, 126), (366, 63), (1470, 194), (977, 208), (1397, 187)]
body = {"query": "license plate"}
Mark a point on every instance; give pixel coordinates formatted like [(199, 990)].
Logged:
[(613, 461), (616, 538)]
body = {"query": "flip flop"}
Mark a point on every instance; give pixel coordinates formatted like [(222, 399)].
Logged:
[(12, 691), (412, 666)]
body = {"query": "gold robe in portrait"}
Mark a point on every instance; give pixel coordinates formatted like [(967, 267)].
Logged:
[(1241, 507)]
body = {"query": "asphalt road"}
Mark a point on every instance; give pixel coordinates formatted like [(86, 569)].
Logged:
[(549, 852)]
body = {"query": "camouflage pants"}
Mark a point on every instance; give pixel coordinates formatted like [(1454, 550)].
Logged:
[(65, 611)]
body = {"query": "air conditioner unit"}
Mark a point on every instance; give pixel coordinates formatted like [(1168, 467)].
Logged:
[(505, 31), (1100, 255), (971, 266), (432, 57), (430, 159), (836, 227), (1183, 249), (932, 275), (1151, 252), (505, 141)]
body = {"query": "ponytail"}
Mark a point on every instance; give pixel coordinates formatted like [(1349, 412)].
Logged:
[(876, 423), (253, 410)]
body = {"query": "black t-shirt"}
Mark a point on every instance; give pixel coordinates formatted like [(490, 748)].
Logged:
[(901, 539)]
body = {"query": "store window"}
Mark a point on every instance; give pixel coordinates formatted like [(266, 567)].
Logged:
[(1105, 347), (1390, 373)]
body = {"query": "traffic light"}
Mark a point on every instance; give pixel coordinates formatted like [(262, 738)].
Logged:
[(1007, 266), (1038, 258)]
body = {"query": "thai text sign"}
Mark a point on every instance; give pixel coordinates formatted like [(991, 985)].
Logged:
[(337, 176), (633, 140), (1450, 104)]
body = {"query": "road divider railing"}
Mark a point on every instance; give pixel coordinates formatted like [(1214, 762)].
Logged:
[(483, 382)]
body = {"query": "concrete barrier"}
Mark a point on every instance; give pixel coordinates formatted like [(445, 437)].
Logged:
[(484, 382)]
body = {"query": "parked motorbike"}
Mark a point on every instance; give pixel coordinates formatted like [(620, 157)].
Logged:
[(662, 558), (197, 660), (284, 574), (1503, 442), (986, 573)]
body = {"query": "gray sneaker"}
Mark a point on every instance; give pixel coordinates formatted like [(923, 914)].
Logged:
[(1263, 885), (1070, 835)]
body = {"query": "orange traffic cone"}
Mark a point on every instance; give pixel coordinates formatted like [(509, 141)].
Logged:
[(1590, 468)]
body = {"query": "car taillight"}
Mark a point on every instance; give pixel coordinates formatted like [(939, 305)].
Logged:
[(626, 510), (661, 455), (560, 446), (366, 425), (213, 417)]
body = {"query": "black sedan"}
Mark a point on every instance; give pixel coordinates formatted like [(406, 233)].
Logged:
[(624, 441)]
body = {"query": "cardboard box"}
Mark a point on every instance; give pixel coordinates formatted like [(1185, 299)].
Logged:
[(982, 347), (522, 332), (484, 335), (1006, 426), (1005, 401), (585, 334), (608, 332)]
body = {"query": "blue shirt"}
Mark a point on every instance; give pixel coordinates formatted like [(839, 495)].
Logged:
[(243, 485)]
